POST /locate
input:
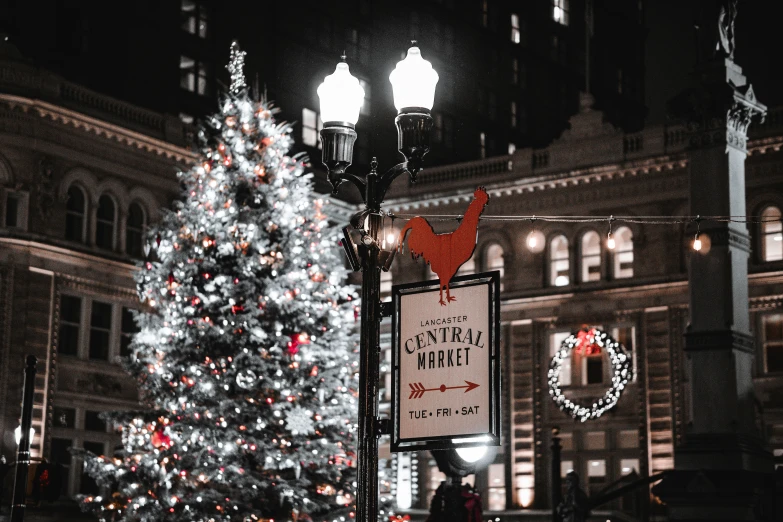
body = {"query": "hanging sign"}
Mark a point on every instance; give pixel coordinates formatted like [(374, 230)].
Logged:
[(446, 364)]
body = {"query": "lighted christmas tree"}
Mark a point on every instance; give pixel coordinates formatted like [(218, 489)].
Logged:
[(246, 352)]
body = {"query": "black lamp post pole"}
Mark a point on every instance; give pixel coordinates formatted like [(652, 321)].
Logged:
[(413, 127), (23, 454)]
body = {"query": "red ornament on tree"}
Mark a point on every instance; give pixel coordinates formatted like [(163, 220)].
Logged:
[(160, 439), (296, 341)]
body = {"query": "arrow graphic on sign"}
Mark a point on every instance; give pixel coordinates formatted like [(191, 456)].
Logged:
[(418, 389)]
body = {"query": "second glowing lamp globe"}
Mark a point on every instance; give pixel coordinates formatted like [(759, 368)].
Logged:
[(413, 83)]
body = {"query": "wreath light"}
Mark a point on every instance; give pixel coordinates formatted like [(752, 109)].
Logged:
[(590, 341)]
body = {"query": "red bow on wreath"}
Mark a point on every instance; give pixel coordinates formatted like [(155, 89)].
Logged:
[(473, 505), (399, 518), (585, 343)]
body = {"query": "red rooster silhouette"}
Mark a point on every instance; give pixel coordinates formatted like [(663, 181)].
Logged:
[(445, 253)]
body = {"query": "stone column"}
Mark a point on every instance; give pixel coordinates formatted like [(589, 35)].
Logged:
[(722, 471)]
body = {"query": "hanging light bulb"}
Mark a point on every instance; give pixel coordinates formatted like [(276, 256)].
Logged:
[(696, 243), (610, 243)]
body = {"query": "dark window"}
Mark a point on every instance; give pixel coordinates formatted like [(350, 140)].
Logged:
[(493, 105), (595, 370), (64, 417), (60, 454), (100, 330), (104, 226), (70, 322), (357, 45), (437, 135), (129, 329), (448, 132), (773, 342), (74, 215), (88, 485), (134, 231), (11, 210), (93, 422)]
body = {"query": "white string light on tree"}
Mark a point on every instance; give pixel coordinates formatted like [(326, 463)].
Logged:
[(590, 341)]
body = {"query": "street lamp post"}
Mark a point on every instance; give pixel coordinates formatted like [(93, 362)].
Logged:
[(413, 82)]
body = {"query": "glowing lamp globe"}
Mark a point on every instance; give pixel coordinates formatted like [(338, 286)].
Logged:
[(341, 96), (413, 82)]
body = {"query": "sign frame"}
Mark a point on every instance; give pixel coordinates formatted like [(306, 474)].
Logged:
[(491, 438)]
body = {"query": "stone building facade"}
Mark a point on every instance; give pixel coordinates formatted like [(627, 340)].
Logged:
[(559, 276), (81, 176)]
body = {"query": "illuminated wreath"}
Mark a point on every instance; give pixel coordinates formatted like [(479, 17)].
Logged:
[(590, 341)]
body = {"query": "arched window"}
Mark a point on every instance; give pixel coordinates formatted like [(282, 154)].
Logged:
[(74, 214), (771, 235), (623, 253), (493, 260), (559, 264), (104, 226), (134, 230), (591, 256)]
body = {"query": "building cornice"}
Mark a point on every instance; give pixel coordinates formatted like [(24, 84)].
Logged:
[(98, 127)]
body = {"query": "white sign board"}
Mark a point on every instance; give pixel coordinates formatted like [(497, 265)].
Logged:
[(446, 365)]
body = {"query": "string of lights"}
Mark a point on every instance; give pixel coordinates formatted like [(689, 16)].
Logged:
[(646, 220)]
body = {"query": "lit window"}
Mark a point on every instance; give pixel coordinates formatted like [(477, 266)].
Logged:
[(70, 324), (629, 466), (623, 253), (186, 118), (404, 473), (74, 215), (386, 282), (512, 148), (100, 330), (560, 11), (497, 486), (311, 126), (366, 103), (555, 341), (596, 470), (104, 225), (567, 439), (773, 342), (194, 17), (482, 145), (566, 466), (559, 263), (134, 231), (187, 73), (485, 13), (771, 235), (128, 330), (513, 114), (494, 261), (591, 256), (515, 37)]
